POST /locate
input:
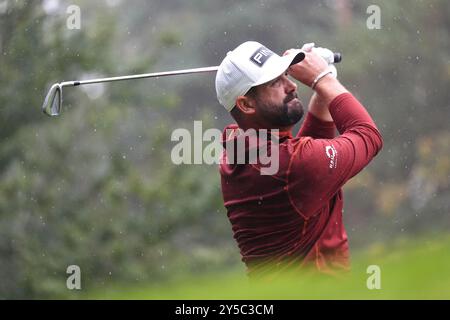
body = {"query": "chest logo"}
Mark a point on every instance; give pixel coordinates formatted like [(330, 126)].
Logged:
[(331, 153)]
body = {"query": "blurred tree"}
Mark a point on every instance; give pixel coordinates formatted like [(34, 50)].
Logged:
[(96, 187), (37, 50)]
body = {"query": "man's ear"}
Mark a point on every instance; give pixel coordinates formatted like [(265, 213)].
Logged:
[(246, 104)]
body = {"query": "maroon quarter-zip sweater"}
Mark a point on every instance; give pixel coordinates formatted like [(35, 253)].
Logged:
[(294, 218)]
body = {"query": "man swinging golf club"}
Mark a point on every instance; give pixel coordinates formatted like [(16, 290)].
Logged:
[(293, 218)]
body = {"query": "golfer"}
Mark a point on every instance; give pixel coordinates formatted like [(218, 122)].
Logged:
[(293, 218)]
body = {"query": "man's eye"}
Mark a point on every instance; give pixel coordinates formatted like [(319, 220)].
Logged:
[(275, 82)]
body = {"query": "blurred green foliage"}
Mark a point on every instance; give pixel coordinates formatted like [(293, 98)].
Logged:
[(96, 187)]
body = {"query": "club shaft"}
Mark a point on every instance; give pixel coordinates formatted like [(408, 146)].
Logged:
[(140, 76)]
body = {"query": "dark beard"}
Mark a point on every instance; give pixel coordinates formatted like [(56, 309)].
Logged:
[(282, 115)]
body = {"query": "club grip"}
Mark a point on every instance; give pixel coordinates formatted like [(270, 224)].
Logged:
[(337, 57), (329, 56)]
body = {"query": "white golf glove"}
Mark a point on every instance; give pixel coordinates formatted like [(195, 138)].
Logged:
[(325, 53)]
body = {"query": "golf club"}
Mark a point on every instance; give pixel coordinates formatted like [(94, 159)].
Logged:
[(53, 100)]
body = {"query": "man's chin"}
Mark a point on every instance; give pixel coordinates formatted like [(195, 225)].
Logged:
[(296, 107), (288, 114), (297, 117)]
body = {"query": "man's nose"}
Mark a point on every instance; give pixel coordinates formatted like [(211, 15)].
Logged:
[(290, 86)]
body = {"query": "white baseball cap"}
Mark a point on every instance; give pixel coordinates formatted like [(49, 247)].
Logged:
[(250, 64)]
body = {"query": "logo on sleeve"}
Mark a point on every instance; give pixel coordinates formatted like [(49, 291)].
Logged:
[(331, 153), (261, 56)]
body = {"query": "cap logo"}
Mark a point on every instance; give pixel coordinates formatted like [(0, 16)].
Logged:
[(260, 56)]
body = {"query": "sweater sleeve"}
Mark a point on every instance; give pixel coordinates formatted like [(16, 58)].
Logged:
[(320, 167), (315, 128)]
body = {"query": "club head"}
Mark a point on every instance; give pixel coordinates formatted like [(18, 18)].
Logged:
[(53, 101)]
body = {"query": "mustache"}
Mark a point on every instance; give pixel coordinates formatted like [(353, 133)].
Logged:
[(290, 97)]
